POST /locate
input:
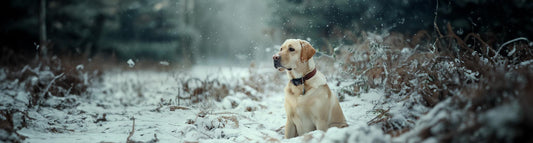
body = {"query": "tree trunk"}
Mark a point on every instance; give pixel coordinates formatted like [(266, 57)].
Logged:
[(186, 41), (42, 36)]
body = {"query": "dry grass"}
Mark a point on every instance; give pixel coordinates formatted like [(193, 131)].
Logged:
[(43, 78), (199, 90), (195, 90), (55, 77), (6, 124), (261, 82), (426, 70)]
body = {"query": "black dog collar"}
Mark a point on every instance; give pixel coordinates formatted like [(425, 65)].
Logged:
[(300, 81)]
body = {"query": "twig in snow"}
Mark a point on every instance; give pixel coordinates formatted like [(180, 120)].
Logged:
[(436, 28), (173, 108), (128, 140), (379, 118), (435, 21), (268, 138), (50, 85), (509, 42), (280, 129), (155, 139), (386, 73), (103, 119)]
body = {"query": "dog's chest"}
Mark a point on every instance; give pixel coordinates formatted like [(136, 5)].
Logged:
[(301, 112), (299, 90), (301, 106)]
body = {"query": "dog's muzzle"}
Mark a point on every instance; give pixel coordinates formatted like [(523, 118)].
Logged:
[(277, 61)]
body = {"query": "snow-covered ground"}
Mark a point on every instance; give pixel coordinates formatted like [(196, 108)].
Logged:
[(147, 102)]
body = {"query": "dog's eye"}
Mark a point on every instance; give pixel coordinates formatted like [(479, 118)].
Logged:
[(291, 49), (280, 49)]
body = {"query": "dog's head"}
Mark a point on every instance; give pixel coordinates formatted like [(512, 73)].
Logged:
[(292, 54)]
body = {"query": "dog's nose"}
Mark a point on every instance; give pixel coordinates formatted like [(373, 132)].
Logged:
[(275, 57)]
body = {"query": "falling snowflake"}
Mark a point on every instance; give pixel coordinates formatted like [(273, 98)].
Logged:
[(131, 63)]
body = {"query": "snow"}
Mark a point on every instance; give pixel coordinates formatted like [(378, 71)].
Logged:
[(511, 41), (164, 63), (158, 106), (512, 52), (79, 67), (106, 113), (500, 117), (130, 63), (525, 63)]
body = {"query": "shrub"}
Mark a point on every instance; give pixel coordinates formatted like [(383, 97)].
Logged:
[(419, 72)]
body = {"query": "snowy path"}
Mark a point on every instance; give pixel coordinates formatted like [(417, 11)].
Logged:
[(146, 96)]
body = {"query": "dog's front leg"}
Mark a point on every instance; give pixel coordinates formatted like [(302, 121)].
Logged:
[(322, 125), (290, 129)]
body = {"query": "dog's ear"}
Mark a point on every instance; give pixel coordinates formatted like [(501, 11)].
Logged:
[(307, 51)]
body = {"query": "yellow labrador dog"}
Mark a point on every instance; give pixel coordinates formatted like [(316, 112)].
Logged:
[(309, 103)]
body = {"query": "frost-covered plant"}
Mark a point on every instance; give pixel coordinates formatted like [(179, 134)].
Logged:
[(419, 73), (47, 83)]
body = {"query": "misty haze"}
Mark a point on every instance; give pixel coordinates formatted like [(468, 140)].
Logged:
[(229, 70)]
